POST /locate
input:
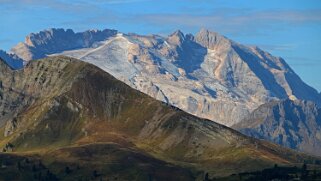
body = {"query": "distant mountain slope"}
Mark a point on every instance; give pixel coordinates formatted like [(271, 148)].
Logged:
[(12, 60), (207, 75), (73, 113), (294, 124), (39, 45)]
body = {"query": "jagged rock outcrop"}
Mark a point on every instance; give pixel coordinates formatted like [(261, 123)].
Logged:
[(207, 75), (10, 127), (39, 45), (294, 124)]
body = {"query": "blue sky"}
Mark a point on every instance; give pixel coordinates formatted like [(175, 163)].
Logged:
[(287, 28)]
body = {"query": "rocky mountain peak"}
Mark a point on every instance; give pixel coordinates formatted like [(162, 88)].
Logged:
[(211, 39), (178, 33), (176, 38)]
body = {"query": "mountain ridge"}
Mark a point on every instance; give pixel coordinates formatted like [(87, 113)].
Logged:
[(295, 124), (12, 60), (54, 40), (207, 75)]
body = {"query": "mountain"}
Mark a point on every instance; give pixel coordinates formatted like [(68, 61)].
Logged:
[(207, 75), (64, 118), (12, 60), (295, 124), (39, 45)]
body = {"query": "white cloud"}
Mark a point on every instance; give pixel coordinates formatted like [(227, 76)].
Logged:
[(236, 20)]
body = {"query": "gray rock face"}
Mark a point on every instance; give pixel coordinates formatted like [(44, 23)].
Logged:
[(39, 45), (294, 124), (207, 75), (212, 40)]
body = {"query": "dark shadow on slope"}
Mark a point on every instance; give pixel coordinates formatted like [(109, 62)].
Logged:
[(301, 90), (12, 60), (262, 73), (211, 92), (191, 55)]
